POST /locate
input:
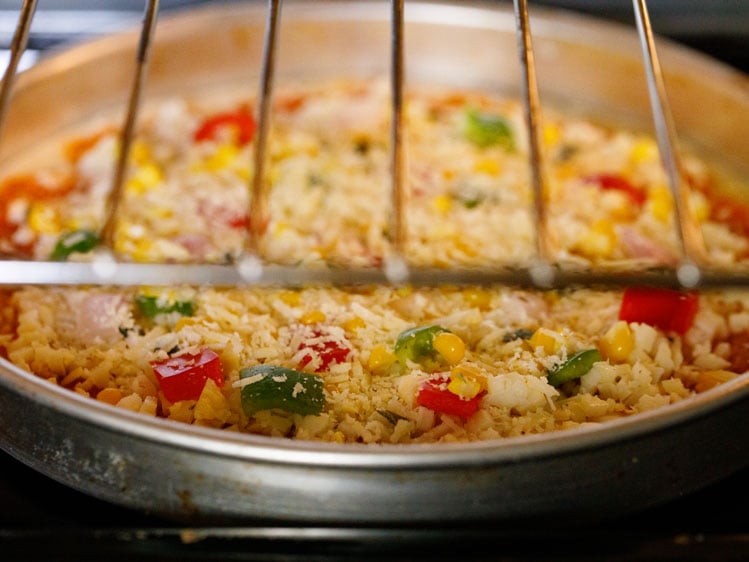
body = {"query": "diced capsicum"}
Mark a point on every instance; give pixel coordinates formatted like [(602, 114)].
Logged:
[(434, 394), (618, 183), (487, 129), (574, 368), (151, 306), (265, 387), (240, 122), (328, 350), (417, 344), (183, 377), (667, 309), (78, 241)]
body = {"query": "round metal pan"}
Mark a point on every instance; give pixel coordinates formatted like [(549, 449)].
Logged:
[(199, 475)]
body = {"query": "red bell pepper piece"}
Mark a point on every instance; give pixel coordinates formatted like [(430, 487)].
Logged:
[(612, 181), (240, 120), (433, 394), (667, 309), (329, 351), (183, 377)]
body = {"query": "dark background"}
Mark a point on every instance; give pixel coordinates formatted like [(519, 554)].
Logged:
[(43, 520)]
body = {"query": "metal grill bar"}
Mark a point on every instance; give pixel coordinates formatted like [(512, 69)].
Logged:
[(694, 271), (17, 47), (690, 236), (259, 194), (105, 272), (128, 129)]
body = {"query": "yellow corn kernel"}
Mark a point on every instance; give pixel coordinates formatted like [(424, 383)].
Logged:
[(339, 437), (140, 152), (551, 134), (617, 343), (478, 298), (442, 203), (661, 203), (488, 166), (353, 324), (467, 248), (312, 317), (223, 157), (109, 395), (43, 219), (145, 177), (449, 346), (548, 340), (183, 322), (159, 213), (380, 359), (140, 250), (599, 241), (565, 171), (448, 174), (709, 379), (700, 205), (404, 290), (279, 228), (291, 298), (644, 150), (466, 381)]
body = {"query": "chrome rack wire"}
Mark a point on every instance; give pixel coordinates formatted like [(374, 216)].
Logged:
[(250, 269)]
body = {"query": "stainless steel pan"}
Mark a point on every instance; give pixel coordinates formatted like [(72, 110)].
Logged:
[(199, 475)]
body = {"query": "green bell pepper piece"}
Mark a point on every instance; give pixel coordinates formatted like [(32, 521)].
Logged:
[(151, 306), (273, 386), (574, 368), (78, 241), (486, 129), (416, 344)]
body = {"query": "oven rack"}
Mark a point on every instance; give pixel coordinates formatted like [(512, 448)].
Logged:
[(541, 270)]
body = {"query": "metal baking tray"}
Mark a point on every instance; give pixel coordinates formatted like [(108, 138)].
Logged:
[(199, 475)]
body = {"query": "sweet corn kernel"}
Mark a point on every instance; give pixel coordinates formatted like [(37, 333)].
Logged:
[(43, 219), (141, 250), (467, 248), (312, 317), (478, 298), (223, 157), (644, 150), (449, 346), (617, 343), (700, 205), (565, 171), (353, 324), (661, 203), (140, 152), (109, 395), (145, 177), (380, 359), (551, 134), (599, 241), (548, 340), (709, 379), (279, 228), (404, 290), (183, 322), (488, 166), (292, 298), (466, 381), (442, 203), (448, 174)]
